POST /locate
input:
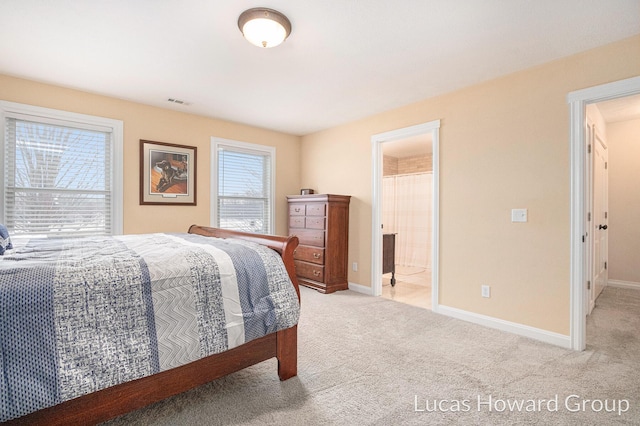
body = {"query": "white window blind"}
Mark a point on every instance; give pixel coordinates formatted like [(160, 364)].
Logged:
[(58, 177), (244, 188)]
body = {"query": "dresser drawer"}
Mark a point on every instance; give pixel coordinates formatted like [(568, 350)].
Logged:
[(316, 209), (309, 238), (309, 270), (296, 221), (297, 210), (309, 254), (314, 222)]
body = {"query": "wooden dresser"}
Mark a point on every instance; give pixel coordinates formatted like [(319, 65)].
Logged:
[(321, 223)]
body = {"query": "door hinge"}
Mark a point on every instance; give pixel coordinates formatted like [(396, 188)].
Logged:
[(605, 265), (606, 214), (588, 285), (589, 217), (583, 238), (589, 149), (606, 165)]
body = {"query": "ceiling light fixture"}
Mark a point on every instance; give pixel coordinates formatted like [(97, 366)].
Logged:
[(264, 27)]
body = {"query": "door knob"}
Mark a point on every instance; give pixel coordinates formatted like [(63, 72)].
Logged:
[(603, 227)]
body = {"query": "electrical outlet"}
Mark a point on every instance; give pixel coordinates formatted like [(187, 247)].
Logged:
[(519, 215), (486, 291), (354, 266)]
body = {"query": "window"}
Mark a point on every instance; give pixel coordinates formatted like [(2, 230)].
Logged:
[(62, 172), (242, 186)]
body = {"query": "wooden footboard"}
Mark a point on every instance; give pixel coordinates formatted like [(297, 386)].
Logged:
[(120, 399), (283, 245)]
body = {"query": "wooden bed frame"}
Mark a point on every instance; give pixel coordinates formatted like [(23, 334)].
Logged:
[(111, 402)]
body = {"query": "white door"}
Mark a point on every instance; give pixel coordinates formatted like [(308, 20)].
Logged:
[(600, 215)]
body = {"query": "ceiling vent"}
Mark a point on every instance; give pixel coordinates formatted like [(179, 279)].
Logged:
[(177, 101)]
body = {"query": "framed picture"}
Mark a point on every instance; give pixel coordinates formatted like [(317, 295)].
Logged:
[(167, 173)]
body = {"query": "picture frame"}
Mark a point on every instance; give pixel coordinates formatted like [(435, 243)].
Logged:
[(167, 173)]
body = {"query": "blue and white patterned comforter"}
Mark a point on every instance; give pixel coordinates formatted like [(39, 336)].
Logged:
[(79, 315)]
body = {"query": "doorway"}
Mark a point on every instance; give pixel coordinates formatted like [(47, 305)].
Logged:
[(406, 220), (613, 129), (390, 141), (582, 251)]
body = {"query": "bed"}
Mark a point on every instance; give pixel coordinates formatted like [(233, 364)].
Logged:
[(109, 374)]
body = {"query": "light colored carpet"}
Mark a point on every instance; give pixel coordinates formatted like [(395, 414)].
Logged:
[(372, 361)]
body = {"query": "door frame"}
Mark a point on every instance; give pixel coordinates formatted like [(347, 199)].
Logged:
[(580, 248), (377, 140)]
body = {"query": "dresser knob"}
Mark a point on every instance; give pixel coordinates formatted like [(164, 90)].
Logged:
[(315, 255), (316, 273)]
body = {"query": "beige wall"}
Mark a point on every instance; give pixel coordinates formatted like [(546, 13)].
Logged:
[(405, 165), (389, 166), (164, 125), (624, 200), (415, 164), (503, 144)]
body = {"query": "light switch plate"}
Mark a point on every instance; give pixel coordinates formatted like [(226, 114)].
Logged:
[(518, 215), (486, 291)]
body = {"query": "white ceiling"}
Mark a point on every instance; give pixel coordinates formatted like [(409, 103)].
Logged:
[(344, 60)]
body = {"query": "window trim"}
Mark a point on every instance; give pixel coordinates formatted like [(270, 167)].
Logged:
[(271, 151), (117, 156)]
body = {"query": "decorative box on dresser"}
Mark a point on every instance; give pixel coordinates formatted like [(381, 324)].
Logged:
[(321, 223)]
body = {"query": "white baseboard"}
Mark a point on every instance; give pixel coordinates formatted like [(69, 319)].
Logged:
[(361, 289), (511, 327), (491, 322), (624, 284)]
